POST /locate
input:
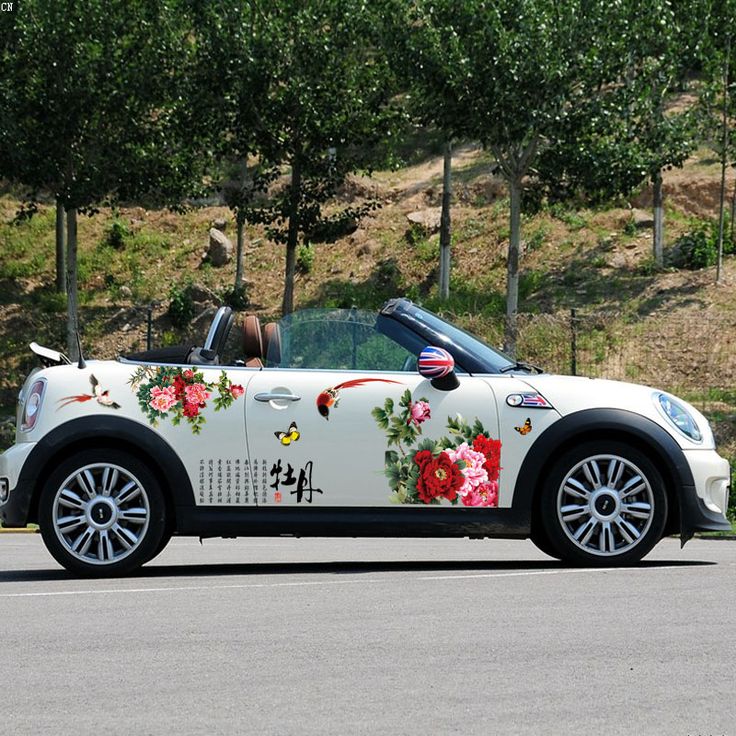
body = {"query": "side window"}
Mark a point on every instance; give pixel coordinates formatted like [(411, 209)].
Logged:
[(346, 341)]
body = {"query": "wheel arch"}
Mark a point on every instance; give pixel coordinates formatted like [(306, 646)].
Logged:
[(113, 432), (592, 424)]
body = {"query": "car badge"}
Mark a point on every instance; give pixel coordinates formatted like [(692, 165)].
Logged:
[(528, 401)]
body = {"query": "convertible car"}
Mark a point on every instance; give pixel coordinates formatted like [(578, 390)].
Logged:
[(350, 423)]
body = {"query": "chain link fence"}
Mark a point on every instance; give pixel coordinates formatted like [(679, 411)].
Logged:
[(692, 357)]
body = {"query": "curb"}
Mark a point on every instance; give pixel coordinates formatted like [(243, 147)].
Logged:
[(22, 530)]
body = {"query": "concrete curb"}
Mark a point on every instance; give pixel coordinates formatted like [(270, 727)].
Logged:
[(3, 530)]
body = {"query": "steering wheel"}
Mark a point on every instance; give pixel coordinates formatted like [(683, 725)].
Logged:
[(213, 346)]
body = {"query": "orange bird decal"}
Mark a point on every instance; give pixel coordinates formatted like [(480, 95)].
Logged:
[(102, 397), (330, 397)]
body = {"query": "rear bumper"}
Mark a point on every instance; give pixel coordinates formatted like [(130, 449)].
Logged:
[(703, 505), (16, 506)]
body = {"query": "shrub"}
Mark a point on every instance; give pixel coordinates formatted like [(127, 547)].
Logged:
[(699, 247), (304, 258), (181, 306), (117, 234), (235, 298)]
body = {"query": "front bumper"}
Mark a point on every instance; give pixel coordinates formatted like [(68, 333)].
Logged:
[(703, 506), (15, 505)]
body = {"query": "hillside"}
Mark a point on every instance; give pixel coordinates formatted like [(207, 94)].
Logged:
[(673, 328)]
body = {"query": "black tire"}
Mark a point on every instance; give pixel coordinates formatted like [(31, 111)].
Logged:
[(623, 514), (99, 525), (542, 542)]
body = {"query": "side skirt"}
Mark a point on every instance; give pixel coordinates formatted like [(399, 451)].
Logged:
[(216, 521)]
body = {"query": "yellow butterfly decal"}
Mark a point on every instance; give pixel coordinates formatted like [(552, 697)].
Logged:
[(291, 435), (526, 428)]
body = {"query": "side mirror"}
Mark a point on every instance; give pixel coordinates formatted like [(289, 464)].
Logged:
[(438, 365)]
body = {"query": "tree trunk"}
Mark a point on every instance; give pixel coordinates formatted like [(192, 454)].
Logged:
[(724, 164), (72, 316), (658, 232), (287, 306), (512, 275), (240, 221), (445, 223), (60, 245), (733, 210)]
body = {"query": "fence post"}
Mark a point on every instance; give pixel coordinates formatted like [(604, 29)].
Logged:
[(149, 327), (573, 343)]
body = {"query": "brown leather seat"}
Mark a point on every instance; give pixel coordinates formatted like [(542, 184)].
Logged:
[(252, 342), (272, 343)]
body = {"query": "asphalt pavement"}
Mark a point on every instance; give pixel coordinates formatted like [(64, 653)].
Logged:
[(370, 636)]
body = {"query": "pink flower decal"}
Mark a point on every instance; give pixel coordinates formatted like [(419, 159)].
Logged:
[(473, 472), (162, 399), (486, 494), (418, 412), (236, 390), (197, 393)]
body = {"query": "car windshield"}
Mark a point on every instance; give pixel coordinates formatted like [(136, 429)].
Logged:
[(456, 337), (344, 339)]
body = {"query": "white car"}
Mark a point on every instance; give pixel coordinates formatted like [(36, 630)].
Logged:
[(348, 423)]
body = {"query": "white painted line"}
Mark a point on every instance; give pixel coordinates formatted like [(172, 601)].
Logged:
[(305, 583), (567, 571)]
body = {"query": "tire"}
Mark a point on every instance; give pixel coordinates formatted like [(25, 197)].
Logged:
[(603, 504), (542, 542), (102, 513)]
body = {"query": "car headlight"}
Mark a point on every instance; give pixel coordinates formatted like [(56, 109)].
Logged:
[(679, 416), (32, 407)]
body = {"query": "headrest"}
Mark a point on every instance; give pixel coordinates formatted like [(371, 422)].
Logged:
[(252, 339), (272, 343)]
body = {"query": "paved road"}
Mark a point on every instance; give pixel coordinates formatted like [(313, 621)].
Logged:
[(329, 636)]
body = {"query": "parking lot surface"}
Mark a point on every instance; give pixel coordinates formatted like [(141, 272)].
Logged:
[(343, 636)]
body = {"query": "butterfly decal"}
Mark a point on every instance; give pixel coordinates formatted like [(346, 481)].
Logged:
[(291, 435), (526, 427)]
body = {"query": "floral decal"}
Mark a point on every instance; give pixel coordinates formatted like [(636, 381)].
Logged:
[(180, 393), (461, 469)]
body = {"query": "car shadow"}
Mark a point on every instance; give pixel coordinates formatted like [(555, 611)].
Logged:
[(356, 567)]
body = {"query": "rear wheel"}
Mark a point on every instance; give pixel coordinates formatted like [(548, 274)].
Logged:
[(102, 513), (603, 503)]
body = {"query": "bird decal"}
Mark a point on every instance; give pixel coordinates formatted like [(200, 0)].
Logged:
[(102, 397), (330, 397)]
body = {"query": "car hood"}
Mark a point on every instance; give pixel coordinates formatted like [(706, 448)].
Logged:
[(570, 394)]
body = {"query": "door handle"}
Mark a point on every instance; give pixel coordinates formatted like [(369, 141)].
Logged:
[(277, 397)]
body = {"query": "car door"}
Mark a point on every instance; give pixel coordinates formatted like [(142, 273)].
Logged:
[(339, 438)]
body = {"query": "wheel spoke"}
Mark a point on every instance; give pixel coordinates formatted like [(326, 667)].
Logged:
[(127, 493), (632, 486), (71, 500), (606, 542), (632, 530), (615, 471), (124, 536), (69, 524), (593, 474), (585, 531), (104, 547), (134, 515), (109, 480), (576, 488), (638, 510), (83, 542), (87, 483), (574, 511), (624, 532)]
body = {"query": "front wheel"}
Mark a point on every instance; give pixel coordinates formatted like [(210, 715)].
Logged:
[(604, 503), (102, 513)]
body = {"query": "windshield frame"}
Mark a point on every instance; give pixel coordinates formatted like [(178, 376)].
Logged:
[(470, 352)]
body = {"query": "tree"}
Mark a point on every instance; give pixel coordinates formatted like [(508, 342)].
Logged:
[(524, 66), (318, 101), (718, 102), (429, 53), (89, 102)]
